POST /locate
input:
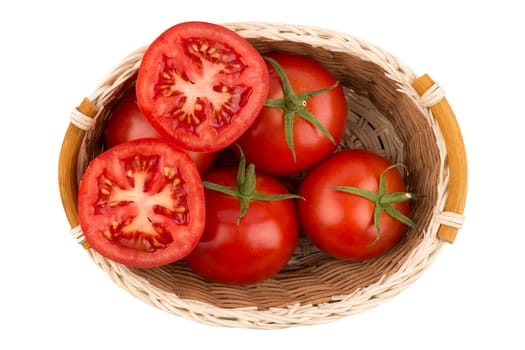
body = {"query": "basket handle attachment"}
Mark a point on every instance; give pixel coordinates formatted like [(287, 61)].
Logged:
[(82, 119), (452, 217)]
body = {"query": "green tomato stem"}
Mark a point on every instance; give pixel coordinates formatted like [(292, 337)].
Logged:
[(295, 105), (383, 201), (245, 188)]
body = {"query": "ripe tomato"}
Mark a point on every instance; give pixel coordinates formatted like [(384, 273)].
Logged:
[(127, 123), (347, 225), (141, 203), (201, 85), (310, 143), (243, 248)]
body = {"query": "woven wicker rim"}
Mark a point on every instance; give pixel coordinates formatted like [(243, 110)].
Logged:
[(327, 46)]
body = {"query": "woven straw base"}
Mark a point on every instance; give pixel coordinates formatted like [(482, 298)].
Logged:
[(385, 115)]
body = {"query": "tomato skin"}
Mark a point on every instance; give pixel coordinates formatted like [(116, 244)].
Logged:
[(311, 145), (256, 249), (201, 85), (140, 203), (127, 123), (342, 224)]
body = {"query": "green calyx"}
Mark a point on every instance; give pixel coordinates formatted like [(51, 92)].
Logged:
[(383, 201), (295, 105), (245, 188)]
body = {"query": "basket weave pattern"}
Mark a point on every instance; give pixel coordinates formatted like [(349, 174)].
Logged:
[(387, 115)]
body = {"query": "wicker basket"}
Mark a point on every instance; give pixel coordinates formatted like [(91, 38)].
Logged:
[(391, 111)]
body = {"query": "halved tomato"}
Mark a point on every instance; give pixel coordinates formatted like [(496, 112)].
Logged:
[(201, 85), (141, 203)]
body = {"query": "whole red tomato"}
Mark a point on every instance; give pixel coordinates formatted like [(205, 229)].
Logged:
[(127, 123), (355, 205), (140, 203), (251, 228), (303, 120), (201, 85)]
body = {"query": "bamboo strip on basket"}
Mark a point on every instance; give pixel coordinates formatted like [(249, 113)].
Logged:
[(67, 164), (457, 160)]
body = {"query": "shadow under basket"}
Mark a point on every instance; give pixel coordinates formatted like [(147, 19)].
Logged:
[(391, 111)]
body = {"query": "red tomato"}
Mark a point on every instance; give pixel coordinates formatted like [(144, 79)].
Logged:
[(256, 248), (201, 85), (310, 143), (141, 203), (342, 224), (128, 123)]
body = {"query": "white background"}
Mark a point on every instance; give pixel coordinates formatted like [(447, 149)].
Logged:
[(54, 53)]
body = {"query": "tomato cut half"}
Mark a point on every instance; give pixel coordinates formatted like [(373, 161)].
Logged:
[(201, 85), (141, 203)]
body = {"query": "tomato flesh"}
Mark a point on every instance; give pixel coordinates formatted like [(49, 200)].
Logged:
[(141, 203), (135, 228), (201, 85), (194, 98)]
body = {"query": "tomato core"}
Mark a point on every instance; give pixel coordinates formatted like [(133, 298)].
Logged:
[(139, 227), (206, 88)]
